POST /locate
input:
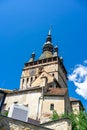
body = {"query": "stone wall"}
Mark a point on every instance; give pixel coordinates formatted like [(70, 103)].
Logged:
[(61, 124), (12, 124)]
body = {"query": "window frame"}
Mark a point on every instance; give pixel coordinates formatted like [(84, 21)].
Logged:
[(51, 106)]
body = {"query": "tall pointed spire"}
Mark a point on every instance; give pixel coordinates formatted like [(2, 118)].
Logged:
[(49, 39), (48, 47), (50, 30)]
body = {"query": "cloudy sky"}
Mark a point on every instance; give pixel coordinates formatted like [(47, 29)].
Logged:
[(24, 25)]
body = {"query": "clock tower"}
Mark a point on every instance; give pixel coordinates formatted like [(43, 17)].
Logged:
[(48, 62)]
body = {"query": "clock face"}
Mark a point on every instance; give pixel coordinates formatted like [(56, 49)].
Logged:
[(32, 72)]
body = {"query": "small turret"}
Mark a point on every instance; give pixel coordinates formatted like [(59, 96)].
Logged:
[(55, 51), (32, 57), (61, 59)]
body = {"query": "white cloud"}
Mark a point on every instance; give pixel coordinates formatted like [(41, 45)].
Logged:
[(79, 78)]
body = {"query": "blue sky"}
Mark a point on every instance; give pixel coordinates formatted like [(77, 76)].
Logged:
[(24, 25)]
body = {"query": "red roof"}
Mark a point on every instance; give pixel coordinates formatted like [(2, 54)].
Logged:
[(56, 91)]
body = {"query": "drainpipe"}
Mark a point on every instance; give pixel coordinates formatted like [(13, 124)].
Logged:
[(44, 89)]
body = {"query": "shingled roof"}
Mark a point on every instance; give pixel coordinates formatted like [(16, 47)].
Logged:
[(56, 91), (6, 90)]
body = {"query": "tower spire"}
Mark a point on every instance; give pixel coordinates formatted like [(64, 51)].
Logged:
[(50, 30), (49, 39), (48, 47)]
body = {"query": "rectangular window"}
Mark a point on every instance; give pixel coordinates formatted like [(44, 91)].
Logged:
[(15, 102), (51, 106)]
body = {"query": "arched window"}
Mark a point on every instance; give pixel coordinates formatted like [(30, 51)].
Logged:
[(35, 77), (23, 81), (27, 80), (31, 79)]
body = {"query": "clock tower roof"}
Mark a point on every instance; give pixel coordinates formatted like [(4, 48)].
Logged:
[(47, 47)]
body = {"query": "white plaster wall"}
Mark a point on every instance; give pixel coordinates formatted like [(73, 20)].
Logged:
[(30, 99), (75, 107), (58, 104)]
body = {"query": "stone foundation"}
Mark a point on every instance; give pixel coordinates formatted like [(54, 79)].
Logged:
[(61, 124), (12, 124)]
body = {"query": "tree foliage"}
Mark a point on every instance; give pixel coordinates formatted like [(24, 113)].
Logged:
[(78, 119), (55, 115)]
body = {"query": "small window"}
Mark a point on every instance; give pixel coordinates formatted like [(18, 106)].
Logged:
[(26, 105), (35, 77), (50, 59), (51, 106), (54, 58), (15, 102), (53, 74), (40, 61), (44, 61), (23, 81), (31, 79), (35, 62), (50, 86), (27, 80)]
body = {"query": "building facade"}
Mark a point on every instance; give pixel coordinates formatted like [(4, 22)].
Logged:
[(43, 85), (48, 62)]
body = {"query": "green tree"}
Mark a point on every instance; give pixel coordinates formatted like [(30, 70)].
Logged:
[(78, 119), (55, 115)]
